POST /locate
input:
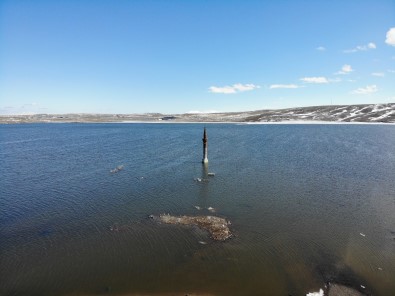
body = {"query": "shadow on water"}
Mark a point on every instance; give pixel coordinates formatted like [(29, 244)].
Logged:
[(203, 197)]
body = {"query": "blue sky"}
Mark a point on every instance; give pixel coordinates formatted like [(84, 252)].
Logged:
[(123, 56)]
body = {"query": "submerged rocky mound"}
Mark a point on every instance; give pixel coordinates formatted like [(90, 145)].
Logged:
[(340, 290), (333, 289), (216, 226)]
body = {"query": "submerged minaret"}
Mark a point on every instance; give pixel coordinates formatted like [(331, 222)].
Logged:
[(205, 159)]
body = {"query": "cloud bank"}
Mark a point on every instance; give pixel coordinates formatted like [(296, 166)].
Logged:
[(369, 89), (235, 88), (369, 46)]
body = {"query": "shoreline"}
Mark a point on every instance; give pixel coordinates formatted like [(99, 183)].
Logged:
[(329, 289), (289, 122)]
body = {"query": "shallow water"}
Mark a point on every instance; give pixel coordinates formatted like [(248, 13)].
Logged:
[(308, 204)]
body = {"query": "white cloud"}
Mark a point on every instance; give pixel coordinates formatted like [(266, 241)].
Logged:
[(245, 87), (321, 48), (390, 71), (314, 80), (378, 74), (235, 88), (369, 46), (222, 90), (390, 40), (273, 86), (346, 69), (365, 90)]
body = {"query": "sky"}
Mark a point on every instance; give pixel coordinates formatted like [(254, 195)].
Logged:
[(140, 56)]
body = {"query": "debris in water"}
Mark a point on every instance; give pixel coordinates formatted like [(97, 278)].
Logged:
[(202, 243), (340, 290), (201, 180), (114, 228), (117, 169), (197, 208), (320, 293), (216, 226), (363, 287), (362, 234), (379, 268), (212, 210), (211, 174)]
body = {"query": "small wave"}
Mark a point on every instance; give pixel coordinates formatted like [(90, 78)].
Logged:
[(24, 141)]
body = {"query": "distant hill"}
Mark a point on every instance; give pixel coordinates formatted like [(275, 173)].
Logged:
[(384, 113)]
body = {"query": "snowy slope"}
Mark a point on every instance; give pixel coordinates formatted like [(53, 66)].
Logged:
[(384, 113)]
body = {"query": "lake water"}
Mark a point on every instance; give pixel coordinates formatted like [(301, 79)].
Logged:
[(308, 204)]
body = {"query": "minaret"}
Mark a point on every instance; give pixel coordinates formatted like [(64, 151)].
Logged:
[(205, 159)]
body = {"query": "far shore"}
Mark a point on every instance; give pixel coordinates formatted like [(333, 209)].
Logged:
[(294, 122), (339, 114)]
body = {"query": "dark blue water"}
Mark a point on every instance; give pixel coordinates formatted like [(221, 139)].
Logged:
[(308, 204)]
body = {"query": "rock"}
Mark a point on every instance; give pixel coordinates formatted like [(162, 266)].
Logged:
[(216, 226), (340, 290), (117, 169), (200, 180), (320, 293)]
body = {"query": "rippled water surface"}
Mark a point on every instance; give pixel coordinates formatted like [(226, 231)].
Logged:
[(308, 204)]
